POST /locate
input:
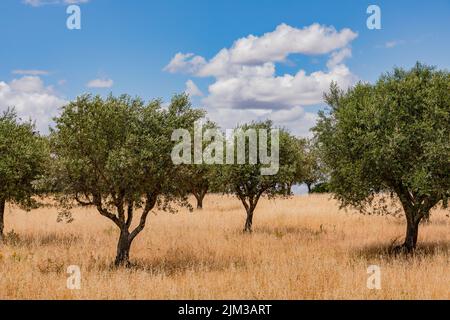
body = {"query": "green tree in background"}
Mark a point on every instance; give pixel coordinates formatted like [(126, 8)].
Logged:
[(23, 161), (247, 182), (199, 178), (298, 167), (313, 170)]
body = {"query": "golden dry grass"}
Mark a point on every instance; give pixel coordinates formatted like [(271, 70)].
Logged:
[(301, 248)]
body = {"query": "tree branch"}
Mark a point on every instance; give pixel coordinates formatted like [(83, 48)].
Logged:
[(83, 203), (104, 212), (129, 214), (149, 205)]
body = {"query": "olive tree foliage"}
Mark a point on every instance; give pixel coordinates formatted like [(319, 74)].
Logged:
[(390, 138), (298, 167), (308, 168), (115, 154), (23, 160), (246, 181), (313, 171), (200, 178)]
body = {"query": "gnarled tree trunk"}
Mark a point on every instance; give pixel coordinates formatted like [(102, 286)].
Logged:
[(2, 222), (200, 195), (199, 198), (249, 202), (249, 221), (412, 232), (123, 249), (123, 220), (416, 208), (414, 214)]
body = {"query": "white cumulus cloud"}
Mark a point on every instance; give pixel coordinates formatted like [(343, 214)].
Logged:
[(187, 63), (247, 87), (338, 57), (192, 89), (276, 46), (31, 99)]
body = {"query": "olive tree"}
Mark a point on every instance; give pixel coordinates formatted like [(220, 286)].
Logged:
[(298, 149), (255, 174), (115, 154), (198, 181), (199, 177), (391, 137), (307, 167), (312, 169), (23, 158)]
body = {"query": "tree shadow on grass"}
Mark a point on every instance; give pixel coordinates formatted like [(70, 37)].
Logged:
[(177, 261), (427, 249)]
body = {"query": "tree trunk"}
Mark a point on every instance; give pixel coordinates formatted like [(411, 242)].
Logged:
[(309, 187), (200, 203), (200, 195), (412, 232), (199, 198), (289, 189), (123, 249), (248, 221), (2, 223), (414, 214)]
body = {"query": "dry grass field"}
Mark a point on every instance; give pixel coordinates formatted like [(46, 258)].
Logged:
[(301, 248)]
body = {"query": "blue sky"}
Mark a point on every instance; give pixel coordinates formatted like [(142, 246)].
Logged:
[(127, 45)]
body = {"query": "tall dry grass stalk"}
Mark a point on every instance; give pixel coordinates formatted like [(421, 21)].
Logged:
[(301, 248)]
